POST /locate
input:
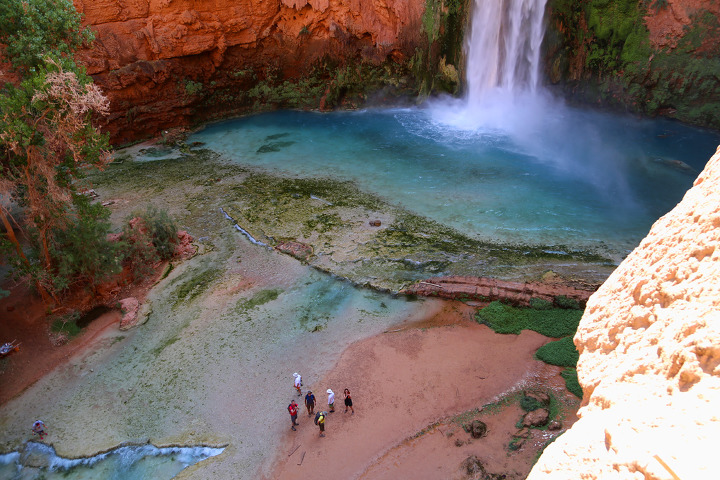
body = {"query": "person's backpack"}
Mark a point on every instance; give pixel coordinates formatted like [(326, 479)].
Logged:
[(317, 417)]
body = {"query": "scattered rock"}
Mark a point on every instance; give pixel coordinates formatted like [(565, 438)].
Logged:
[(58, 338), (541, 397), (477, 429), (459, 442), (555, 425), (536, 418), (129, 307), (472, 465), (375, 223), (298, 250), (184, 247)]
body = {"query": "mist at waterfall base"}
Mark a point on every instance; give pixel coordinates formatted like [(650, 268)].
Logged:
[(516, 169)]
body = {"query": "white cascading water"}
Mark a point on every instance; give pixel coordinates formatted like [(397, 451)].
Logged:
[(503, 48)]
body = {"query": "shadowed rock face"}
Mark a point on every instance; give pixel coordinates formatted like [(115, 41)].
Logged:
[(146, 51), (649, 346)]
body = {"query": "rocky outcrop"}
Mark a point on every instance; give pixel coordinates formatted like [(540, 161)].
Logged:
[(649, 345), (165, 63), (654, 57), (490, 289)]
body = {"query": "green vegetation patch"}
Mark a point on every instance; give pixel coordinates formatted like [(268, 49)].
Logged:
[(197, 283), (260, 298), (560, 352), (67, 325), (571, 382), (554, 323)]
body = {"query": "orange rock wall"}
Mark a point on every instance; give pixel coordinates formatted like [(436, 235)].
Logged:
[(668, 24), (649, 366), (147, 50)]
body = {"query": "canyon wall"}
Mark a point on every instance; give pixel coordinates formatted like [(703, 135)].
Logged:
[(166, 63), (649, 345), (654, 57)]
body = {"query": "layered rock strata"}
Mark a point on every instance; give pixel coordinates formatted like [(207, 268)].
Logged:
[(649, 345), (166, 63), (490, 289)]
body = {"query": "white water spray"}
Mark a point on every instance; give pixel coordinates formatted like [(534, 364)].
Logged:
[(503, 48)]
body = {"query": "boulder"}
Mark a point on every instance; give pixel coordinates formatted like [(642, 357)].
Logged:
[(477, 429), (536, 418), (129, 307)]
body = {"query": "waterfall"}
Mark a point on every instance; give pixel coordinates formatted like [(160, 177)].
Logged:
[(503, 48)]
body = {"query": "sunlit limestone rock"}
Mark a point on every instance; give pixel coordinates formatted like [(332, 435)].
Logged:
[(649, 364)]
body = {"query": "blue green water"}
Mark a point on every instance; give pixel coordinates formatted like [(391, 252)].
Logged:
[(129, 462), (537, 172)]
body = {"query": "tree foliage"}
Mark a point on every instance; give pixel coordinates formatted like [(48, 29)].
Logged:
[(47, 140), (33, 29)]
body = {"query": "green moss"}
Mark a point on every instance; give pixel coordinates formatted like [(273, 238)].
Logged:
[(571, 382), (560, 352), (554, 323), (260, 298), (601, 48), (197, 284), (192, 87), (530, 404)]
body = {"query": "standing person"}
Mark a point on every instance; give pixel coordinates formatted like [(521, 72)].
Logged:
[(38, 428), (331, 400), (298, 383), (293, 409), (348, 402), (310, 402), (320, 422)]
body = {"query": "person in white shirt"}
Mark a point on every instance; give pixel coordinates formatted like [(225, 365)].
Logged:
[(331, 400), (298, 383)]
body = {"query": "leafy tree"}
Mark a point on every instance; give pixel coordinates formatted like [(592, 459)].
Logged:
[(33, 29), (47, 137), (82, 251), (148, 236)]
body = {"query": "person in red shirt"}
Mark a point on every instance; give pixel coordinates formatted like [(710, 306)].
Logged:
[(293, 409)]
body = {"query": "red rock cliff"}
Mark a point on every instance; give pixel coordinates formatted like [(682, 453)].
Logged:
[(154, 58)]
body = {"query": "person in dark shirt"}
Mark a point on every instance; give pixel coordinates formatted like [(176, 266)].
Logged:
[(310, 402), (348, 402)]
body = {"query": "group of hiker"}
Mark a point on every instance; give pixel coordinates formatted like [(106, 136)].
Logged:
[(310, 403)]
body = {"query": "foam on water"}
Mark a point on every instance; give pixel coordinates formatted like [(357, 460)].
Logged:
[(126, 462)]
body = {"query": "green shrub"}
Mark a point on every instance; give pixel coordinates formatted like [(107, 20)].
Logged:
[(540, 304), (159, 228), (30, 30), (192, 88), (67, 325), (571, 382), (560, 352), (554, 323), (530, 404), (562, 301), (81, 250)]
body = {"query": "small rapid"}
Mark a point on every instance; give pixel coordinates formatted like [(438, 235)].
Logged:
[(129, 462)]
